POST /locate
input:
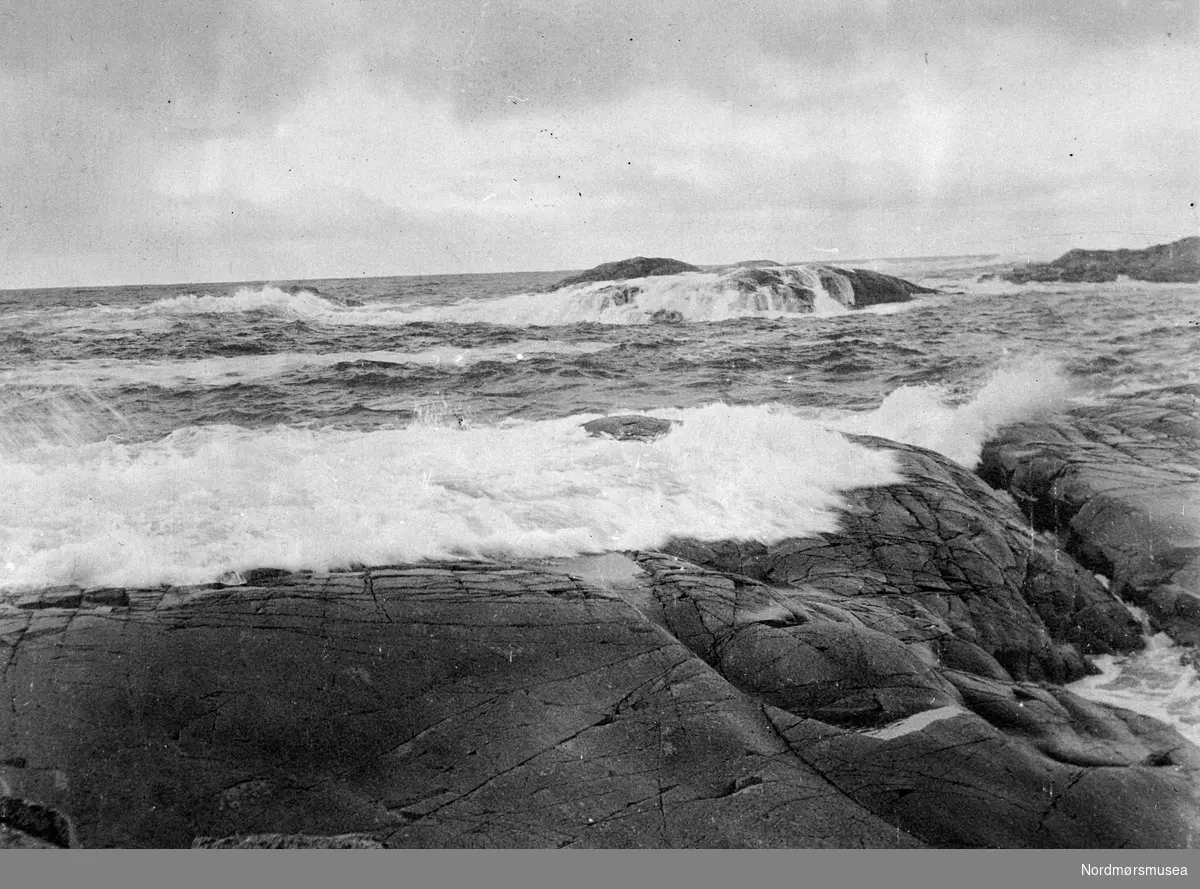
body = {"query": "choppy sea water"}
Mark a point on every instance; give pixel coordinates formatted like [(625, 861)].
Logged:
[(181, 434)]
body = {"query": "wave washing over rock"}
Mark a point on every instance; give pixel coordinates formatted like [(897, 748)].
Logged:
[(759, 576)]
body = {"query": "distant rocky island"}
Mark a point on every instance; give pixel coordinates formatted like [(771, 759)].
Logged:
[(792, 289), (1177, 262)]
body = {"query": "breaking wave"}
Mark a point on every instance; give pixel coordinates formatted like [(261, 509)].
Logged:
[(204, 501), (932, 416)]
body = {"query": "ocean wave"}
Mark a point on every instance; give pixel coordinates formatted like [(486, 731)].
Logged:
[(935, 417), (208, 500), (101, 373), (687, 297), (204, 501)]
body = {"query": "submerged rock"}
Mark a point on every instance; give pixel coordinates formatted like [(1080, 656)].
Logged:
[(629, 426), (1178, 261)]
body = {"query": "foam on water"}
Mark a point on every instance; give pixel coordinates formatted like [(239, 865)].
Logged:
[(205, 501), (304, 304), (693, 297), (689, 297), (224, 370), (1153, 681)]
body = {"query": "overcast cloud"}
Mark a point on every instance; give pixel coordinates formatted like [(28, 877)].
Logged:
[(182, 141)]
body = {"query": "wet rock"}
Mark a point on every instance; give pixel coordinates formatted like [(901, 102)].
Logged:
[(945, 551), (874, 288), (768, 289), (629, 426), (623, 296), (1177, 261), (769, 286), (1121, 484), (29, 825)]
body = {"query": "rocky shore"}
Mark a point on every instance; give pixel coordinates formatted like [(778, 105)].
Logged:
[(897, 683), (1178, 261)]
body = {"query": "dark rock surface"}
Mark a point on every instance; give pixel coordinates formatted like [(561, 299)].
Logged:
[(1121, 484), (944, 560), (1178, 261), (629, 426), (874, 288), (622, 270), (870, 688)]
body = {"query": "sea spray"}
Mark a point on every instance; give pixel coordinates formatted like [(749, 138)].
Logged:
[(32, 418), (205, 501), (930, 416)]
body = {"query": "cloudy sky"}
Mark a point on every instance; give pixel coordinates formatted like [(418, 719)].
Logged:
[(176, 140)]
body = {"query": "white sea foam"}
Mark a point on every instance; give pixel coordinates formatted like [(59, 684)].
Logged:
[(691, 297), (205, 501), (928, 417), (1153, 682), (99, 373), (297, 303)]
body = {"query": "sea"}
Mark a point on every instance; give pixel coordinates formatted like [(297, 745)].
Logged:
[(186, 434)]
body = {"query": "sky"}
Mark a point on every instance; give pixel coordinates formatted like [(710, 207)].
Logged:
[(177, 141)]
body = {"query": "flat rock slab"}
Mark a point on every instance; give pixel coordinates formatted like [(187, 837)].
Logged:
[(496, 705), (1121, 484)]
